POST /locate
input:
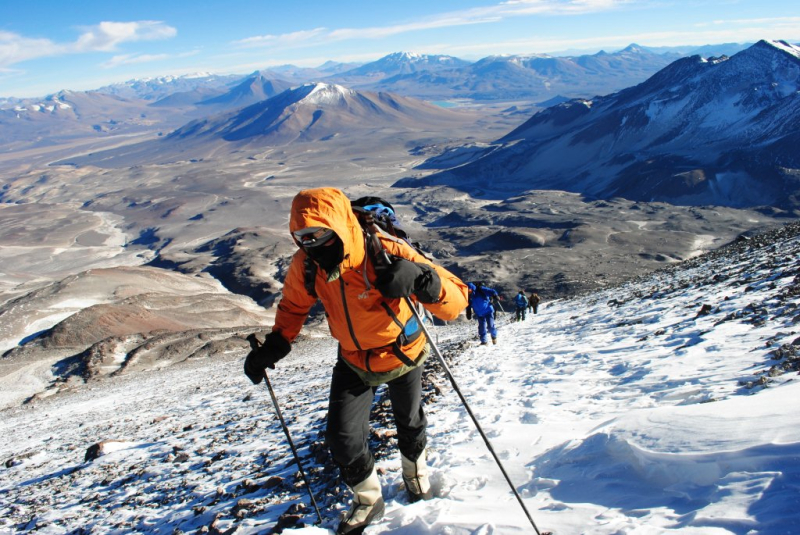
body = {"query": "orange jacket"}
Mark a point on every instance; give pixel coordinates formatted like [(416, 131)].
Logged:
[(354, 307)]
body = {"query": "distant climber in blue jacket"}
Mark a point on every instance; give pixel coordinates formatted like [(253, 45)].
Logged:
[(522, 305), (480, 305)]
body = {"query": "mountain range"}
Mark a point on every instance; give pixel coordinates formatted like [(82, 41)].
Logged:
[(158, 87), (69, 115), (313, 112), (700, 131), (719, 130), (310, 112), (536, 77), (402, 63), (161, 104), (435, 74)]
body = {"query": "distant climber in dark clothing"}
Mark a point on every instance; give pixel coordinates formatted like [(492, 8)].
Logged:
[(533, 302), (522, 305), (480, 305)]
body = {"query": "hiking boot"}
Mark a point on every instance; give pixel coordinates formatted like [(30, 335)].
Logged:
[(484, 342), (494, 341), (415, 477), (367, 506)]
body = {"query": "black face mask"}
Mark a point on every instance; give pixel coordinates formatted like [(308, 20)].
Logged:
[(327, 256)]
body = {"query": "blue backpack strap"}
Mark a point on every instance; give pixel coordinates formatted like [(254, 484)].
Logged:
[(408, 333)]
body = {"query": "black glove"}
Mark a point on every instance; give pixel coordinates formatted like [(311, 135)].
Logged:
[(274, 348), (403, 277), (469, 313)]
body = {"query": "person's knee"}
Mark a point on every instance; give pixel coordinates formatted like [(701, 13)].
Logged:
[(346, 448)]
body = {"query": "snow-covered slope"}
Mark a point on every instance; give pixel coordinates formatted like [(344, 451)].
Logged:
[(720, 131), (665, 405)]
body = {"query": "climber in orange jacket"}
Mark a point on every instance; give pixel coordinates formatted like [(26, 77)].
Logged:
[(379, 338)]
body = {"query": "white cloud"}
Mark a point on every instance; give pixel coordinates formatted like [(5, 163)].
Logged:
[(14, 48), (731, 33), (386, 31), (288, 38), (775, 21), (104, 37), (133, 59), (480, 15), (556, 7), (7, 73)]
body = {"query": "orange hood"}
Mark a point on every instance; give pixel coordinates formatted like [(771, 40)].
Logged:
[(330, 208)]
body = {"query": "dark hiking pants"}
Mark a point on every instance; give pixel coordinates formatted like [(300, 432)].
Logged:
[(348, 419), (486, 324)]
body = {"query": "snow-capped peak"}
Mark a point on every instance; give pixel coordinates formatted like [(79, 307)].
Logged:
[(48, 104), (785, 47), (197, 75), (411, 57), (322, 93), (632, 48)]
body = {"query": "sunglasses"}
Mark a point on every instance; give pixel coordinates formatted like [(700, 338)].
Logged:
[(379, 209), (313, 236)]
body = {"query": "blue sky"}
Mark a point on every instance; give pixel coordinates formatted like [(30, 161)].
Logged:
[(48, 45)]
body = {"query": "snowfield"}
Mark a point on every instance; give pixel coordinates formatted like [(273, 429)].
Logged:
[(666, 405)]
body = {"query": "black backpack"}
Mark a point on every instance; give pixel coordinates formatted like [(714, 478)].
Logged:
[(376, 216)]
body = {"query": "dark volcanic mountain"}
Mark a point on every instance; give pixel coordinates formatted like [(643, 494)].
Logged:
[(723, 131), (311, 112), (254, 88), (314, 112), (301, 75)]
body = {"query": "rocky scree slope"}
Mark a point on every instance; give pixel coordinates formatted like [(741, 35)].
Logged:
[(194, 448)]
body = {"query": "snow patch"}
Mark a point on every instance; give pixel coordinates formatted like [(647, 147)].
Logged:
[(785, 47), (328, 93), (622, 411)]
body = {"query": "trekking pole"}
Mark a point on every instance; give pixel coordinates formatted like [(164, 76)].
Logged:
[(384, 260), (469, 411), (254, 344)]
